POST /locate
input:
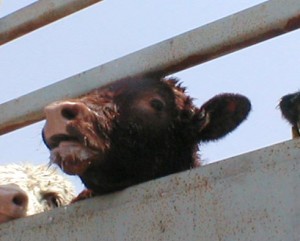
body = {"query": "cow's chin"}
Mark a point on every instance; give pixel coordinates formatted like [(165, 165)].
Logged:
[(73, 157)]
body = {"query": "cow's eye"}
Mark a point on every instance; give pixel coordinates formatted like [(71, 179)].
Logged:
[(202, 114), (53, 201), (157, 104)]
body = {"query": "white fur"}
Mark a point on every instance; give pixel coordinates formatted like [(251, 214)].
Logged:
[(38, 181)]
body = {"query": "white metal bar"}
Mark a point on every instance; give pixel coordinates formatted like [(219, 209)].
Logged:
[(255, 196), (36, 15), (226, 35)]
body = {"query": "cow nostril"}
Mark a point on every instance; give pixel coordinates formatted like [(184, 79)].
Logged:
[(69, 113), (20, 200)]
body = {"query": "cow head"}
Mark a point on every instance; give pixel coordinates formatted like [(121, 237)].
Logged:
[(135, 130)]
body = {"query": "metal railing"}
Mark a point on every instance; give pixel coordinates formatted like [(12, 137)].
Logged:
[(37, 15), (251, 197), (243, 29)]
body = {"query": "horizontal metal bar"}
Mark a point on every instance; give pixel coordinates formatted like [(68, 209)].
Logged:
[(229, 34), (251, 197), (36, 15)]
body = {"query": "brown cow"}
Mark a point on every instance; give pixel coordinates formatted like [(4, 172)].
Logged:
[(135, 130), (290, 109)]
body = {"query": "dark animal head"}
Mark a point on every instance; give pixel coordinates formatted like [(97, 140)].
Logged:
[(290, 109), (135, 130)]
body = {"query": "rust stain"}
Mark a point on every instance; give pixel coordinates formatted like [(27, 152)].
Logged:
[(223, 50), (42, 19), (293, 24), (25, 121)]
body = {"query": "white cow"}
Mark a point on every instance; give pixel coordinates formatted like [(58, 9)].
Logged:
[(29, 189)]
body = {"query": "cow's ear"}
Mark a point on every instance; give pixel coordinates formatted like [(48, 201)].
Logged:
[(221, 115)]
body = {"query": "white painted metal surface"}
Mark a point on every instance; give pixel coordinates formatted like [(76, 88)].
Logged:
[(237, 31), (252, 197), (37, 15)]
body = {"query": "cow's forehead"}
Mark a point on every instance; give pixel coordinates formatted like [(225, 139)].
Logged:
[(169, 88)]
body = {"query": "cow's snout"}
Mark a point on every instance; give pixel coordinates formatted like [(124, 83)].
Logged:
[(60, 114), (13, 202)]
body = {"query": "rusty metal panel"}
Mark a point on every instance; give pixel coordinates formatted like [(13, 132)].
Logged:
[(255, 196), (37, 15), (226, 35)]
